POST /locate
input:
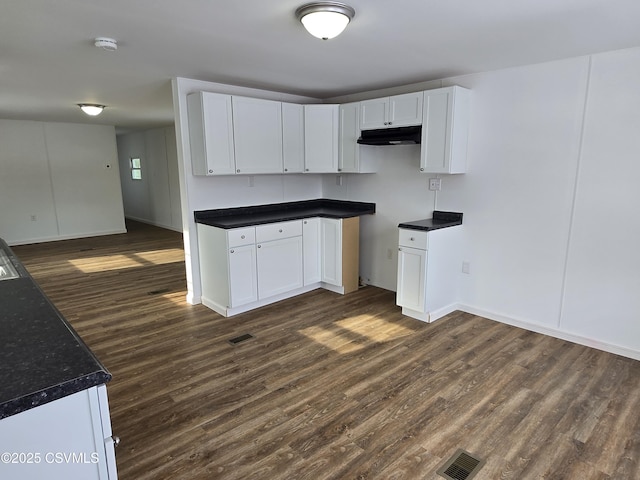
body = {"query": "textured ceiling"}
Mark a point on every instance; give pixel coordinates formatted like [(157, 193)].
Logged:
[(48, 62)]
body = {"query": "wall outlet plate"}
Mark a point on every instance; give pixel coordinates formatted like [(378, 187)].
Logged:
[(435, 184)]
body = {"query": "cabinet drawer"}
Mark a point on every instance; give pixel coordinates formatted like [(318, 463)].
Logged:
[(241, 236), (274, 231), (413, 238)]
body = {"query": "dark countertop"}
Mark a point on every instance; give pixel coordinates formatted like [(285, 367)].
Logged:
[(440, 220), (280, 212), (42, 358)]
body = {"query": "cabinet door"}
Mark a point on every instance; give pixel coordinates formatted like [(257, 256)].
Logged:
[(74, 424), (412, 275), (374, 113), (331, 239), (211, 133), (257, 133), (279, 266), (321, 131), (405, 110), (349, 154), (312, 268), (243, 278), (293, 137), (445, 125)]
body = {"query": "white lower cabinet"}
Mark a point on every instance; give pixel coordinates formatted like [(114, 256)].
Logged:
[(245, 268), (331, 245), (243, 275), (429, 265), (69, 438), (412, 276), (279, 265), (312, 267)]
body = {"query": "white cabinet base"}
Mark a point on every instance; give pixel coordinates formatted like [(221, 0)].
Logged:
[(228, 311), (430, 317)]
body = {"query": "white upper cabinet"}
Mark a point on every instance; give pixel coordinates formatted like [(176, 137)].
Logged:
[(293, 137), (211, 133), (349, 153), (321, 132), (445, 127), (257, 132), (388, 112)]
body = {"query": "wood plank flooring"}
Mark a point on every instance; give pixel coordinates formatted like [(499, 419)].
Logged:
[(331, 387)]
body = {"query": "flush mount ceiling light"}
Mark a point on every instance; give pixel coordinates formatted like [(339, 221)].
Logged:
[(105, 43), (91, 108), (325, 20)]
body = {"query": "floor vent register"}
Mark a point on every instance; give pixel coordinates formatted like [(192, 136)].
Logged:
[(240, 339), (462, 466)]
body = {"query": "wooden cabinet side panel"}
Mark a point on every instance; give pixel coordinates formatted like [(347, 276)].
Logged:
[(350, 254)]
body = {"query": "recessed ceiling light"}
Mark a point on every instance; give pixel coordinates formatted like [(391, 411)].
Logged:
[(91, 108), (105, 43)]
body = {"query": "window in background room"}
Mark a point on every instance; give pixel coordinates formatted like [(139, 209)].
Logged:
[(136, 169)]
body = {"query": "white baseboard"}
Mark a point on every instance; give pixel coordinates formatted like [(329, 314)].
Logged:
[(30, 241), (155, 224), (553, 332)]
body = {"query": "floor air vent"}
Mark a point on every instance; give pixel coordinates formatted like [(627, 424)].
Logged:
[(241, 338), (462, 466)]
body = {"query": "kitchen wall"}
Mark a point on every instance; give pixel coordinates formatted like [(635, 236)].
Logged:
[(58, 181), (549, 199), (155, 198)]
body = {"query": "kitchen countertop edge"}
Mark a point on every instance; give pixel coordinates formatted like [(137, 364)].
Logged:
[(279, 212), (439, 220)]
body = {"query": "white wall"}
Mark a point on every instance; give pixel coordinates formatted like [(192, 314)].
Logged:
[(549, 199), (58, 181), (154, 199), (601, 297)]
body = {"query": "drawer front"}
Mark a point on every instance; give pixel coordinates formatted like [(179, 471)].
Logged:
[(413, 238), (274, 231), (241, 236)]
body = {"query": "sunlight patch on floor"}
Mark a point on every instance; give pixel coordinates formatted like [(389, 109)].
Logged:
[(374, 328), (118, 262), (335, 341)]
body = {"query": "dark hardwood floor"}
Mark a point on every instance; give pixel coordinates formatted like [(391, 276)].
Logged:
[(331, 387)]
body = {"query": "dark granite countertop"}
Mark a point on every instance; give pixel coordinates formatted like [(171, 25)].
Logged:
[(42, 358), (440, 220), (280, 212)]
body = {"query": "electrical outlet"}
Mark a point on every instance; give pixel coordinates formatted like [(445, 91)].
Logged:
[(339, 180), (435, 184), (465, 267), (33, 218)]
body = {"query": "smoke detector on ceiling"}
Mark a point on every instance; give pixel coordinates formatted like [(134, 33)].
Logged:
[(109, 44)]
